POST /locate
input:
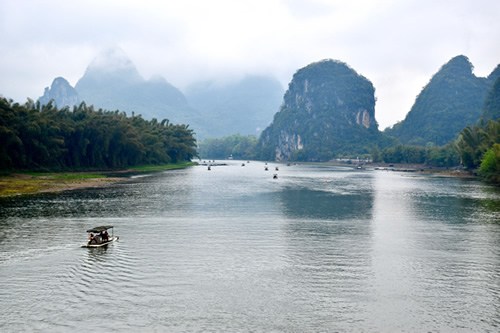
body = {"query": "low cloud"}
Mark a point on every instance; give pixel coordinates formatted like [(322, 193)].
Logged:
[(397, 45)]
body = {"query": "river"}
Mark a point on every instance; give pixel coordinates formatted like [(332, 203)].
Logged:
[(320, 249)]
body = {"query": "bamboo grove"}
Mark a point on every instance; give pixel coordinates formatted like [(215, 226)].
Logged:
[(42, 137)]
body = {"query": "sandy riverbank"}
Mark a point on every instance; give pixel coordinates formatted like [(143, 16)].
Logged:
[(32, 183), (20, 184)]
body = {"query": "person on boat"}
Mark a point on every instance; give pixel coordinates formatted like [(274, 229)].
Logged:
[(91, 238), (105, 236)]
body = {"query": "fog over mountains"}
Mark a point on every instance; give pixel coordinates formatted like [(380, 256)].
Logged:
[(453, 99), (112, 82)]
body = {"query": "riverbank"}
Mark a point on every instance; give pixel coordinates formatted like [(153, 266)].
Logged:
[(410, 168), (25, 183), (426, 169)]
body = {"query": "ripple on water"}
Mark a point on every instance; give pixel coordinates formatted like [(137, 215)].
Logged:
[(319, 249)]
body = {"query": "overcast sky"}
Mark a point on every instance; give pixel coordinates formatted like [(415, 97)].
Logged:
[(397, 45)]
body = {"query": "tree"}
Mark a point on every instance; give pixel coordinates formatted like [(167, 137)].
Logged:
[(38, 137), (490, 165)]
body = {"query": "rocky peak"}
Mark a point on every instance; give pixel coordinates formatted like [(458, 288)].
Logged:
[(452, 100), (328, 109), (331, 87), (458, 66), (61, 93), (111, 66)]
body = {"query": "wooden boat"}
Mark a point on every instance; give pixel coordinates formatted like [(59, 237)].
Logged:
[(99, 236)]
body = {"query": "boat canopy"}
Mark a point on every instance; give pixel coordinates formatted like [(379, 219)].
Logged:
[(100, 228)]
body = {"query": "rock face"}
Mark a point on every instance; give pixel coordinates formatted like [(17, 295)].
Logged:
[(453, 99), (327, 110), (61, 93)]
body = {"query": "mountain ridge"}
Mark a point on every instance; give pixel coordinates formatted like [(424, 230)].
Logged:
[(453, 99), (111, 81)]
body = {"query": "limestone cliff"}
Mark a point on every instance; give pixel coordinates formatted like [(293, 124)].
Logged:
[(328, 110)]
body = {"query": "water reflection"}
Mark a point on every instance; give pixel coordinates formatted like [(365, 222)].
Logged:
[(328, 239), (428, 257), (318, 249), (310, 204), (334, 195)]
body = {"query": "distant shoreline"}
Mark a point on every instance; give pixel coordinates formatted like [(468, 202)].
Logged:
[(24, 183), (408, 167), (29, 183)]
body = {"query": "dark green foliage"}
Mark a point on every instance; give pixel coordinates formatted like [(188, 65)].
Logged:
[(445, 156), (474, 141), (404, 154), (490, 165), (492, 105), (236, 146), (42, 137), (452, 100)]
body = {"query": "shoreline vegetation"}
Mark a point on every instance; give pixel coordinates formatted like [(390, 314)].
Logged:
[(27, 183)]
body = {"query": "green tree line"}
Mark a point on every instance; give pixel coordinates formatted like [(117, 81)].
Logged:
[(445, 156), (237, 146), (42, 137), (479, 149)]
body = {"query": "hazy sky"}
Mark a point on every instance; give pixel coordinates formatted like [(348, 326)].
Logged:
[(398, 45)]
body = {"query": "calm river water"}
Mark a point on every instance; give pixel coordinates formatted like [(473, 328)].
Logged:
[(320, 249)]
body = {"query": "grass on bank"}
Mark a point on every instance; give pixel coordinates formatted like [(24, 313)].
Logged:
[(36, 182), (163, 167)]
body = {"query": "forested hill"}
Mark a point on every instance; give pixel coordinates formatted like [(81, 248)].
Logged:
[(453, 99), (41, 137), (328, 110), (492, 104)]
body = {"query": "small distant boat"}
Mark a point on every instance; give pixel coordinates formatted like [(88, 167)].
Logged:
[(99, 236)]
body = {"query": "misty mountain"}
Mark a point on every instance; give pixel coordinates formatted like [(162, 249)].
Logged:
[(328, 109), (453, 99), (112, 82), (242, 107), (61, 93)]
